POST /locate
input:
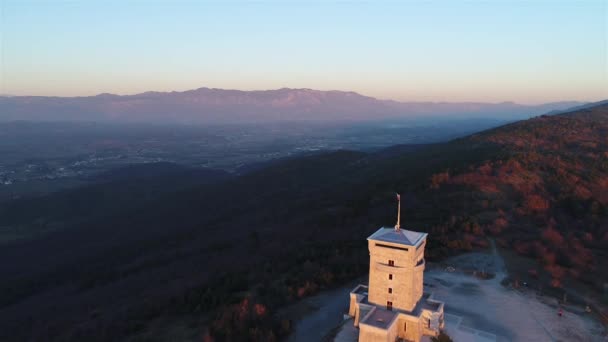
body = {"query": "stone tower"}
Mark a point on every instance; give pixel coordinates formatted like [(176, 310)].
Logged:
[(393, 305), (396, 268)]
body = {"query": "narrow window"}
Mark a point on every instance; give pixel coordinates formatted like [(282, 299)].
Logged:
[(389, 305), (404, 326), (390, 277), (391, 262), (390, 290)]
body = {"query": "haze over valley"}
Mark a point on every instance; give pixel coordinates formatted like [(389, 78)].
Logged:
[(51, 142)]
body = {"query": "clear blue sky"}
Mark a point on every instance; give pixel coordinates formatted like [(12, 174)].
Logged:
[(491, 51)]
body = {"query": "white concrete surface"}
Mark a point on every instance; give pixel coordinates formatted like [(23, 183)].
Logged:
[(504, 314)]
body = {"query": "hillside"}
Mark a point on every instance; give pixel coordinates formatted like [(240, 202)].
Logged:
[(110, 192), (206, 105), (227, 255), (547, 196)]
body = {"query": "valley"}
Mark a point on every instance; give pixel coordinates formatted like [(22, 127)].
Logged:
[(42, 157)]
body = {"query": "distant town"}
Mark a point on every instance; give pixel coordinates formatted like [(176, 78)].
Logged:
[(42, 157)]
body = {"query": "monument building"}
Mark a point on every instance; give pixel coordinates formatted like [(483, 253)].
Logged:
[(394, 305)]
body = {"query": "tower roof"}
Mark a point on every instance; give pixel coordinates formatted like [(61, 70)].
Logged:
[(401, 236)]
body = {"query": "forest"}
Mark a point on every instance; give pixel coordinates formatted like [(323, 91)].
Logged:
[(225, 255)]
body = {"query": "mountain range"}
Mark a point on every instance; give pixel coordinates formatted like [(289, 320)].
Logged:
[(205, 105)]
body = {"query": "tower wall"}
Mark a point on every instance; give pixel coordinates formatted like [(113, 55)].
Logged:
[(407, 274)]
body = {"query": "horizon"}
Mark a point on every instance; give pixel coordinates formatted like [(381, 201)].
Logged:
[(309, 89), (498, 51)]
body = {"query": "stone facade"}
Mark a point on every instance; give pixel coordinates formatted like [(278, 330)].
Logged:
[(394, 306), (403, 278)]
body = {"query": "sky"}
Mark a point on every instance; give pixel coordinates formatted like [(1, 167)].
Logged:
[(488, 51)]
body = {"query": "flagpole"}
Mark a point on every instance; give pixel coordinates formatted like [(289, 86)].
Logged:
[(398, 226)]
